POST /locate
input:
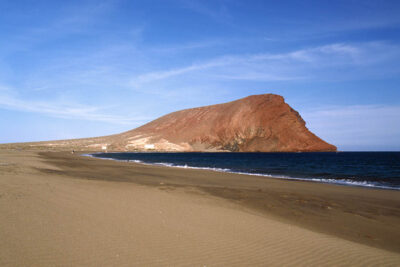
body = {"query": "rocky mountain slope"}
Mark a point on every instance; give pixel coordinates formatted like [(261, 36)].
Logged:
[(255, 123)]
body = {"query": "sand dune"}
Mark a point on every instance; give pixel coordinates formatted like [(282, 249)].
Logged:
[(53, 220)]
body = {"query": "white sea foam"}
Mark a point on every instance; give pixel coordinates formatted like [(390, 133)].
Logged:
[(346, 182), (352, 183)]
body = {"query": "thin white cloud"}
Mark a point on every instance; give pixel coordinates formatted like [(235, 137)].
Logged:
[(281, 66), (356, 126), (258, 76), (71, 19), (66, 111), (218, 11), (160, 75), (176, 48)]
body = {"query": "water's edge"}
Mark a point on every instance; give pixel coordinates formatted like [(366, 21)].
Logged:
[(338, 182)]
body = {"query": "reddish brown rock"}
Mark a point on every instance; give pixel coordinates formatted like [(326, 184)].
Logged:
[(255, 123), (262, 123)]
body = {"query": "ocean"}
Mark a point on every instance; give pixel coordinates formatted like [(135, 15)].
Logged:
[(367, 169)]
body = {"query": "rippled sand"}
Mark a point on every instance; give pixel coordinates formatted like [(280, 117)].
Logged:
[(66, 210)]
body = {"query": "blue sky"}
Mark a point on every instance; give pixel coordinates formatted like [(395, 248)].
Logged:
[(72, 69)]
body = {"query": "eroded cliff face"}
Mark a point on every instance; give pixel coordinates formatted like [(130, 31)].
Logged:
[(262, 123), (255, 123)]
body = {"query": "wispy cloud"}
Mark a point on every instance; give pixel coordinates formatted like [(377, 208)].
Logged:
[(218, 11), (72, 59), (356, 126), (196, 45), (64, 110), (160, 75), (69, 20), (281, 66)]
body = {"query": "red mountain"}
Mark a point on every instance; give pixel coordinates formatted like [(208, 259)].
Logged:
[(254, 123)]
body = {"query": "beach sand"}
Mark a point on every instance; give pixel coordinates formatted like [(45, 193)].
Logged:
[(59, 209)]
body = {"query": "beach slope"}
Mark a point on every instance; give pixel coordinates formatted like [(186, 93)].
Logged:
[(67, 210)]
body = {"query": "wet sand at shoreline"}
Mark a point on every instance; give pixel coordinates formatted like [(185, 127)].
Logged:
[(62, 209)]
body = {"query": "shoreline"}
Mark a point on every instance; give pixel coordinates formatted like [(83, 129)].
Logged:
[(303, 203), (331, 181), (62, 208)]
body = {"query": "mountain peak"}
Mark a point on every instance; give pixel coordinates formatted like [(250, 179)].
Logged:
[(256, 123)]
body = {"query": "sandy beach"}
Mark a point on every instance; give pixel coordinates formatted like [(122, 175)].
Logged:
[(63, 209)]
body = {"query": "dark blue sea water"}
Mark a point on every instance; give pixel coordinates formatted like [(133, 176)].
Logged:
[(369, 169)]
